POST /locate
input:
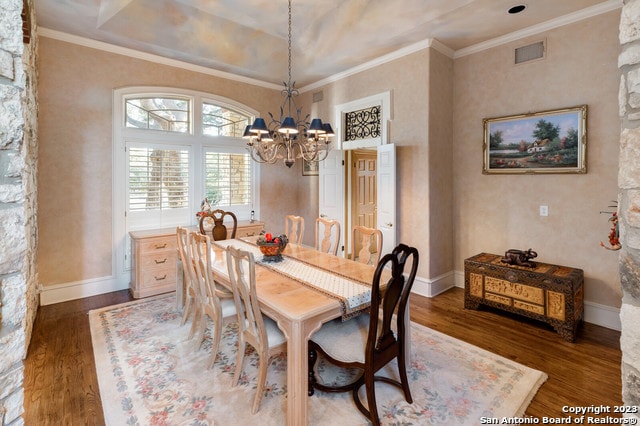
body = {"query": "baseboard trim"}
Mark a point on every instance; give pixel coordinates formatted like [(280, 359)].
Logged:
[(77, 290), (433, 287), (602, 315)]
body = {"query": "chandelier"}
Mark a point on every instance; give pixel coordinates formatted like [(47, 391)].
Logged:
[(288, 137)]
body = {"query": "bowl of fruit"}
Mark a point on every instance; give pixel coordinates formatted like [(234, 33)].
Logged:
[(271, 247)]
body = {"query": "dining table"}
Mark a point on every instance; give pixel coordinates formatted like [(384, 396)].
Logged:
[(298, 293)]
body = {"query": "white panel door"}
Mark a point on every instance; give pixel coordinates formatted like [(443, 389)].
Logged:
[(386, 196), (331, 191)]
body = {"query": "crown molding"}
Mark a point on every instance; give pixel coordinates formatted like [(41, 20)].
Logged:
[(442, 48), (111, 48), (571, 18), (379, 61)]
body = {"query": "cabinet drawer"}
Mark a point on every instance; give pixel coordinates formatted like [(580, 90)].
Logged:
[(497, 298), (158, 278), (248, 231), (536, 309), (162, 259), (154, 245), (518, 291)]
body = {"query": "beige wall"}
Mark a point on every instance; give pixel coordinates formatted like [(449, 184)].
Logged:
[(75, 167), (493, 213)]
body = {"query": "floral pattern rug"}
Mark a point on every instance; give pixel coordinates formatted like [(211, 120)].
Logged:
[(150, 373)]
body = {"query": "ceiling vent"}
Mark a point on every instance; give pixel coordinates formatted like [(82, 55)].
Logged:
[(530, 52), (318, 96)]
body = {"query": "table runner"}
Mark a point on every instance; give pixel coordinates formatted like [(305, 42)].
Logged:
[(353, 295)]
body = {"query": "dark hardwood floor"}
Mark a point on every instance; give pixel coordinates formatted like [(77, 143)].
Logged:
[(61, 386), (60, 382)]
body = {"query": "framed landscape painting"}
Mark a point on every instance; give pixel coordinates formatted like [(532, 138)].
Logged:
[(310, 168), (542, 142)]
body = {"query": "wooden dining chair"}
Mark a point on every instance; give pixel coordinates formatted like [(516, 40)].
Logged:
[(368, 342), (216, 304), (365, 241), (190, 291), (259, 331), (195, 293), (294, 228), (327, 235), (219, 231)]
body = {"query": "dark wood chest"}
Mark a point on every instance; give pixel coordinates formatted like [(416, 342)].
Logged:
[(550, 293)]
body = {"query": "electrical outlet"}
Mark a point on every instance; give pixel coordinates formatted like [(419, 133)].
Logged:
[(544, 210)]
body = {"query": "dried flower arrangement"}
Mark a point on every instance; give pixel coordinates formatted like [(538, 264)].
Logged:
[(614, 232)]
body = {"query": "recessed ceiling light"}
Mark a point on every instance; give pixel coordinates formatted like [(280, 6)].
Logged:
[(517, 9)]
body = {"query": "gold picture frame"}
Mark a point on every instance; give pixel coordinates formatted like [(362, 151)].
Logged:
[(553, 141), (310, 168)]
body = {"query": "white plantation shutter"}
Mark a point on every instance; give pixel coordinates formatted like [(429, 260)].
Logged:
[(158, 189), (158, 179), (228, 179)]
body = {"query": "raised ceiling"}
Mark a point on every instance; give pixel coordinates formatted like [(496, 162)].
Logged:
[(249, 37)]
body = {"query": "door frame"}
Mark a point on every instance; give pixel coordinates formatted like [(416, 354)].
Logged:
[(342, 181)]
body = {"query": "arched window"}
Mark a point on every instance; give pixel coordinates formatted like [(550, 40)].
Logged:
[(172, 149)]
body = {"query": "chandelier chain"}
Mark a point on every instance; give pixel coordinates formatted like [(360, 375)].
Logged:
[(289, 46), (290, 137)]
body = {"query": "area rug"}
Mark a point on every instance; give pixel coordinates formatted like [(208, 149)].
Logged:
[(150, 374)]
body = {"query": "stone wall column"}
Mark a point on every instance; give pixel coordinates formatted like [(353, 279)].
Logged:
[(18, 179), (629, 201)]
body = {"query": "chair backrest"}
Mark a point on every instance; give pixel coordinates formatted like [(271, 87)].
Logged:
[(201, 251), (364, 241), (182, 235), (327, 235), (241, 268), (219, 231), (294, 228), (382, 343), (185, 238)]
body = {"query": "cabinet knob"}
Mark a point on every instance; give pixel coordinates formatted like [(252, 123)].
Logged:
[(158, 246), (159, 262), (160, 278)]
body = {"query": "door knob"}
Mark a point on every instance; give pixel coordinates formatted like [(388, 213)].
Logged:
[(390, 225)]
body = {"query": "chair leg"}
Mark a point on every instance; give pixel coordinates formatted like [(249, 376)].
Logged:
[(263, 363), (370, 386), (187, 310), (196, 321), (239, 360), (402, 369), (312, 358), (217, 335), (202, 327)]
